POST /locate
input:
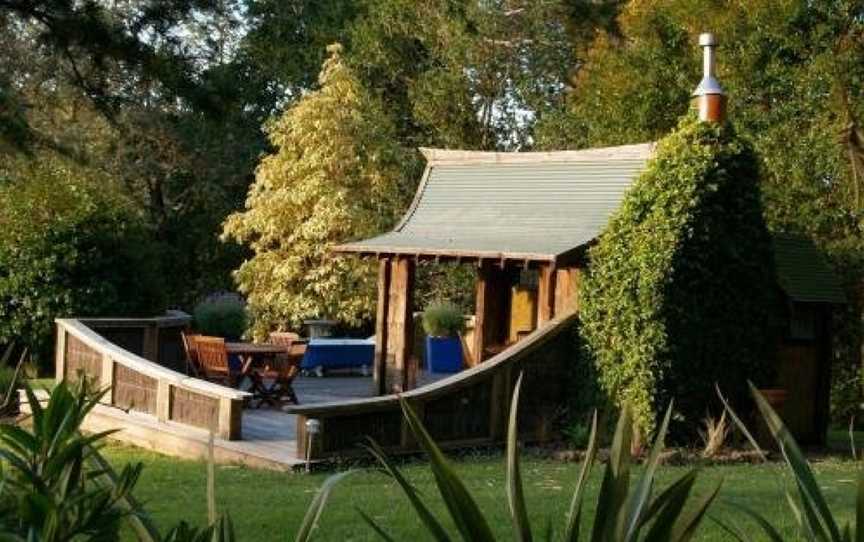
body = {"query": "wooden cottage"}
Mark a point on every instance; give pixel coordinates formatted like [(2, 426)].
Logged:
[(524, 221)]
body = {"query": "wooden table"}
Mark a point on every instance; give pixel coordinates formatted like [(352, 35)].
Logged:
[(255, 357)]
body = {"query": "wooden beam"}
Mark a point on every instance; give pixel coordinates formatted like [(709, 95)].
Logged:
[(567, 290), (546, 294), (381, 326)]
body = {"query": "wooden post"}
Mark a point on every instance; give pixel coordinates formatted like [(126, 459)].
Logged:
[(60, 354), (400, 324), (151, 342), (567, 290), (546, 294), (107, 378), (163, 400), (230, 419), (381, 324)]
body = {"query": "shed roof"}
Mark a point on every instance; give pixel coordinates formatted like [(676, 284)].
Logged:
[(803, 272), (527, 206)]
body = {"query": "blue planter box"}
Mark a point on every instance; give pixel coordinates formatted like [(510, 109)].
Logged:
[(330, 353), (443, 354)]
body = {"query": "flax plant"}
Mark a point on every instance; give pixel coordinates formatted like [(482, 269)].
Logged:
[(622, 514)]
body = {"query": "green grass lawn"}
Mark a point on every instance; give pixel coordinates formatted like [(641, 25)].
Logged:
[(266, 505)]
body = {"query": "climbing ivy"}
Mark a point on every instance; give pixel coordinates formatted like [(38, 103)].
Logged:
[(680, 289)]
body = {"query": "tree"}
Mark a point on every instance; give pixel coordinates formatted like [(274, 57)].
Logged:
[(69, 245), (337, 174), (680, 289)]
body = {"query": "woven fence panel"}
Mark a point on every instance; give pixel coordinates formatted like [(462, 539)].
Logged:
[(134, 391), (194, 409), (80, 358)]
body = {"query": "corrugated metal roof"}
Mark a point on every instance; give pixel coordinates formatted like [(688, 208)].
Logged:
[(803, 272), (513, 205)]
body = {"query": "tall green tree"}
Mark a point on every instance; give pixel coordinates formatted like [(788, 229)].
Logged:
[(337, 173)]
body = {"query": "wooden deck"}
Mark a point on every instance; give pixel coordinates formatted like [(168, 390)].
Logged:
[(269, 435)]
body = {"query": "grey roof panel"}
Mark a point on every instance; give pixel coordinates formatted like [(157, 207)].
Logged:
[(520, 205)]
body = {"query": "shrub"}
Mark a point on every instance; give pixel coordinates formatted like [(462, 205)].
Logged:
[(443, 320), (680, 291), (223, 316), (70, 246)]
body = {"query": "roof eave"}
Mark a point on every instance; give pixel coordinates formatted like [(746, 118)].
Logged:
[(379, 251)]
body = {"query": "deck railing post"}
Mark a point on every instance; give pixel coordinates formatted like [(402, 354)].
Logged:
[(230, 419), (106, 380), (163, 400)]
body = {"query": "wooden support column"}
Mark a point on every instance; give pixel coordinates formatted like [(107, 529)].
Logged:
[(546, 294), (151, 342), (381, 319), (567, 290), (401, 372)]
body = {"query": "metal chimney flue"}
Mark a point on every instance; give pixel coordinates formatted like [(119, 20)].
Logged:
[(709, 98)]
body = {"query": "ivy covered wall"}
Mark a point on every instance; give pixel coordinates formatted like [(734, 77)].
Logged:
[(680, 291)]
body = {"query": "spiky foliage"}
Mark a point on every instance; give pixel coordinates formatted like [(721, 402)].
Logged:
[(622, 514)]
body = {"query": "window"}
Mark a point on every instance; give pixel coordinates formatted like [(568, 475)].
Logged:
[(802, 322)]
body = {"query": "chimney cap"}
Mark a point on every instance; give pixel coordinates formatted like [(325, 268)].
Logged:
[(709, 84)]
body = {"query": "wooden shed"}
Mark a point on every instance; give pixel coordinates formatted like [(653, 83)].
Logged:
[(805, 355)]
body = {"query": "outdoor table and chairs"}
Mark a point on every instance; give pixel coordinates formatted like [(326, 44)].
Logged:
[(270, 368)]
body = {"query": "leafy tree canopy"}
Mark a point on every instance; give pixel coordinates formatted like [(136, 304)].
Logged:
[(337, 174)]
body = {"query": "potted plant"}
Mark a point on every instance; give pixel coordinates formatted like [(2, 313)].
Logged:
[(221, 316), (443, 322)]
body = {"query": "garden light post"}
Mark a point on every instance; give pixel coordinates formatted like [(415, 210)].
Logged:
[(313, 427)]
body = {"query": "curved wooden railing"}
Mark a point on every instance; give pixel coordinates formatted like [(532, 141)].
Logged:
[(142, 385), (466, 409)]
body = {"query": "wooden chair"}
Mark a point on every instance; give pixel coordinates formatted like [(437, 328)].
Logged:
[(284, 338), (287, 366), (191, 348), (213, 360)]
